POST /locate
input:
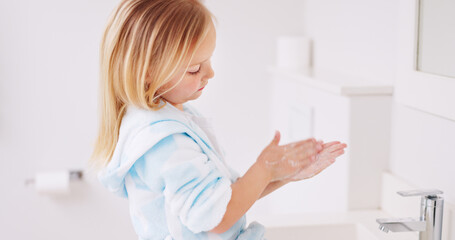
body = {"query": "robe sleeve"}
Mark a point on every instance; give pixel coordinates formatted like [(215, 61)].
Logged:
[(194, 189)]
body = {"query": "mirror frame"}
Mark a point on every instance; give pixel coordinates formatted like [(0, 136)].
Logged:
[(427, 92)]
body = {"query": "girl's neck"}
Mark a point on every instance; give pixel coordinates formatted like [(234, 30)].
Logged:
[(179, 106)]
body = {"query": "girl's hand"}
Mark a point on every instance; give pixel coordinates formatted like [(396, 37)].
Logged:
[(325, 158), (285, 161)]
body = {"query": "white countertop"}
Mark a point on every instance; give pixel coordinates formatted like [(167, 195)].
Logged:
[(366, 218), (336, 83)]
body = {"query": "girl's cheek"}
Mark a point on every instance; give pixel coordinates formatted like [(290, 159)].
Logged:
[(195, 83)]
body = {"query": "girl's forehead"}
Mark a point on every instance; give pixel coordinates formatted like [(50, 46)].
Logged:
[(206, 49)]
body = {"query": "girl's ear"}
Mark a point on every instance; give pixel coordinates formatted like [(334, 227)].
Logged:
[(147, 86), (147, 81)]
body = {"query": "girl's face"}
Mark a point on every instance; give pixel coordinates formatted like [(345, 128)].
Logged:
[(196, 77)]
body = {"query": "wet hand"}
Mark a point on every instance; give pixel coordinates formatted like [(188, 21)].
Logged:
[(282, 162), (325, 158)]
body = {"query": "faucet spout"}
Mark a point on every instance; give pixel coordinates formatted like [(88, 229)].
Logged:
[(383, 228), (401, 224), (429, 225)]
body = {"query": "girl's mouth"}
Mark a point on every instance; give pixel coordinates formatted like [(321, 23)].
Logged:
[(201, 88)]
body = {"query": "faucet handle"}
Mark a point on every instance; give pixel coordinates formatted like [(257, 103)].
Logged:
[(420, 192)]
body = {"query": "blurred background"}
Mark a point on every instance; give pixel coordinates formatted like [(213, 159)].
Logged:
[(48, 108)]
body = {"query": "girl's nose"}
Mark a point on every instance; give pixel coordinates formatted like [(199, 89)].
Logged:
[(210, 72)]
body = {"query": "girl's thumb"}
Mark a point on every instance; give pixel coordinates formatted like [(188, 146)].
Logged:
[(276, 138)]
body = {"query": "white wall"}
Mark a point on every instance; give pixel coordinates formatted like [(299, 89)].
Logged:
[(423, 150), (354, 37), (48, 86)]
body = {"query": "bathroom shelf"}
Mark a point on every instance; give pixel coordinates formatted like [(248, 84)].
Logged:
[(335, 83)]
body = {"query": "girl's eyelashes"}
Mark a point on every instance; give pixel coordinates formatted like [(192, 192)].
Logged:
[(194, 72)]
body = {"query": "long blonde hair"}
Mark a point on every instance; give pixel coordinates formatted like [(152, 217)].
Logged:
[(143, 46)]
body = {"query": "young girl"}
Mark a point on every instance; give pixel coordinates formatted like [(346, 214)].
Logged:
[(158, 151)]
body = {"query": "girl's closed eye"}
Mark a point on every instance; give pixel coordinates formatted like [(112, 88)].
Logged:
[(195, 70)]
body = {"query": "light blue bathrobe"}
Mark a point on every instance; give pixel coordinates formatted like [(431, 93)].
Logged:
[(177, 184)]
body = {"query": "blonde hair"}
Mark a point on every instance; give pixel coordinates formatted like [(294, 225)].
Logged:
[(143, 46)]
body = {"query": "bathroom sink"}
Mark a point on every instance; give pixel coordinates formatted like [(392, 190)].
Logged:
[(320, 232)]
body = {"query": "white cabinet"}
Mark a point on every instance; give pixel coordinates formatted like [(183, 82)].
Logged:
[(331, 107)]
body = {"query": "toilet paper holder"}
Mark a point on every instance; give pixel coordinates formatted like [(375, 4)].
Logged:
[(74, 175)]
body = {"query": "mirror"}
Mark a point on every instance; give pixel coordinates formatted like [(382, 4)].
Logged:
[(436, 37), (419, 83)]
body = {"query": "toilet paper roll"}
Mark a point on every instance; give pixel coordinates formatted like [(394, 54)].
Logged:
[(57, 182), (294, 52)]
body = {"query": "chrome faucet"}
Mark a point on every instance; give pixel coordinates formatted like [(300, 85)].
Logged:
[(429, 225)]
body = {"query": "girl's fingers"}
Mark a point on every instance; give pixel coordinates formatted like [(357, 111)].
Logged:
[(332, 148), (276, 138), (304, 151), (298, 143), (311, 143), (337, 153), (342, 147), (336, 147), (330, 144)]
